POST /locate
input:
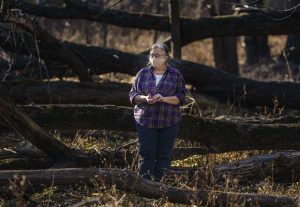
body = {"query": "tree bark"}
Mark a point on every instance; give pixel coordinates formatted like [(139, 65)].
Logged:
[(129, 181), (219, 136)]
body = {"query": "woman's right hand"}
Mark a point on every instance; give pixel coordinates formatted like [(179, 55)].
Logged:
[(150, 99)]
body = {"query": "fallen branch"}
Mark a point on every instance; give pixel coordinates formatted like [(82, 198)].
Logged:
[(129, 181)]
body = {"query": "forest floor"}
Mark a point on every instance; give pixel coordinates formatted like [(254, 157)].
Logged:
[(201, 52)]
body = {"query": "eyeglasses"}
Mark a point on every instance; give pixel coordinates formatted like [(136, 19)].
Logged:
[(156, 55)]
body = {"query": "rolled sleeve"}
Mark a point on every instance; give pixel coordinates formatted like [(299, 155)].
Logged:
[(132, 96), (180, 89), (133, 91)]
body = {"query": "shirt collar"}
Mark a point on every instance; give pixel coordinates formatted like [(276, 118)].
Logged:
[(167, 70)]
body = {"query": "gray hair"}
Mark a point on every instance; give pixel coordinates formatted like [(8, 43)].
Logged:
[(162, 46)]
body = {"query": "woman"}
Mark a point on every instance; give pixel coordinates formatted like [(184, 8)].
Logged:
[(157, 93)]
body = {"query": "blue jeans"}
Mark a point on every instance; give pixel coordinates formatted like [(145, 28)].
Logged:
[(155, 150)]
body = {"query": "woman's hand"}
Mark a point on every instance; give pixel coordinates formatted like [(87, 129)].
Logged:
[(141, 99), (159, 98), (150, 99), (167, 99)]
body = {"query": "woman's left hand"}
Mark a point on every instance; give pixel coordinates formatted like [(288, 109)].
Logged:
[(159, 97)]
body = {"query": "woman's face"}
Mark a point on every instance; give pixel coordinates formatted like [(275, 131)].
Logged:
[(158, 57)]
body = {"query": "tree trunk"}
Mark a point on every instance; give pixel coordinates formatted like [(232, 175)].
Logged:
[(225, 48), (129, 181), (174, 13), (219, 136)]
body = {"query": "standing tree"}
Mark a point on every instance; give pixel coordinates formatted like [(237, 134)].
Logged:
[(225, 48), (175, 28)]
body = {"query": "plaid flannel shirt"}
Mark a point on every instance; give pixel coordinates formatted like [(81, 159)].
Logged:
[(160, 114)]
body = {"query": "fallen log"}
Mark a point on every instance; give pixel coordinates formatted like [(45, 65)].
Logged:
[(53, 148), (32, 132), (117, 157), (217, 135), (192, 28), (212, 82), (66, 92), (129, 181), (280, 166), (27, 164), (207, 80), (48, 41), (285, 119)]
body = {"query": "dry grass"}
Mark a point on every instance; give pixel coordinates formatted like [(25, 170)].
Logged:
[(109, 196)]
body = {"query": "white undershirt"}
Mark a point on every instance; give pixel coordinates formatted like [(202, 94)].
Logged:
[(157, 78)]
